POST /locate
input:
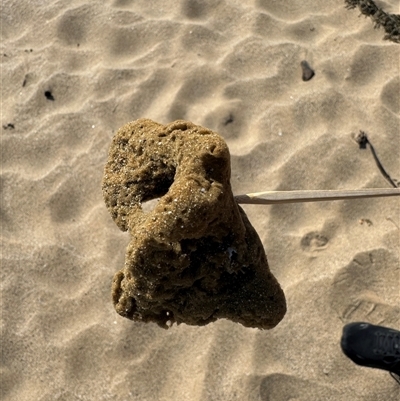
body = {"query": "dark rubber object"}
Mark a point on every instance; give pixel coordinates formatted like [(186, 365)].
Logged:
[(372, 346)]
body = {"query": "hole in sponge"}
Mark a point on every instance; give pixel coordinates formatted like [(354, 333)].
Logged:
[(156, 188)]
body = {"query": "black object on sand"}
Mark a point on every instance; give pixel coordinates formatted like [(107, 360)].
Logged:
[(372, 346), (307, 71)]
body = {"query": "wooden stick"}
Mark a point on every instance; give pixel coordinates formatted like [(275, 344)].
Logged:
[(274, 197)]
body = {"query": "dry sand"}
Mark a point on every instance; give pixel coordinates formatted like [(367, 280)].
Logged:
[(232, 66)]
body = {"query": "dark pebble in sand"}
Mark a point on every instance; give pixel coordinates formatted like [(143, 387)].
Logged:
[(49, 95), (308, 72)]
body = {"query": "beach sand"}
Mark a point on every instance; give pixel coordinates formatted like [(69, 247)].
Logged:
[(74, 72)]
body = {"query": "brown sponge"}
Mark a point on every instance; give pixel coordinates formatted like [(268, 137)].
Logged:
[(195, 257)]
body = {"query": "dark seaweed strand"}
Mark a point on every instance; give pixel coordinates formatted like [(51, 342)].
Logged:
[(363, 140), (390, 22)]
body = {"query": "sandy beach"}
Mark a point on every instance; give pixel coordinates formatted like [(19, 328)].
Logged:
[(74, 72)]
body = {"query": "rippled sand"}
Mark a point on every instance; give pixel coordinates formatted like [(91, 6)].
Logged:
[(74, 72)]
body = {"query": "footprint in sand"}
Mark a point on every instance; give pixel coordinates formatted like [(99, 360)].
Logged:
[(367, 289), (283, 387), (314, 242)]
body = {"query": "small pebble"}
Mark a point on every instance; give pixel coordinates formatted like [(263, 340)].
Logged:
[(308, 72)]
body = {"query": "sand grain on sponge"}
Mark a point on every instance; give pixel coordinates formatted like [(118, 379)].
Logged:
[(74, 72)]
